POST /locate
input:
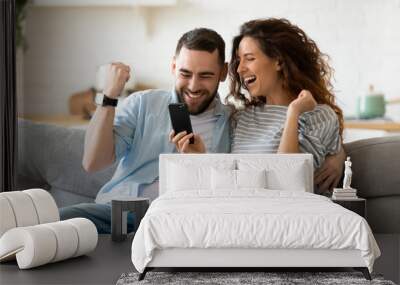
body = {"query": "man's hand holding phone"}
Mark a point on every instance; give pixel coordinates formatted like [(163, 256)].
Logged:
[(182, 134), (182, 139)]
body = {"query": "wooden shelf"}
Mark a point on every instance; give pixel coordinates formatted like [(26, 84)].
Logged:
[(61, 120), (99, 3), (371, 125), (74, 120)]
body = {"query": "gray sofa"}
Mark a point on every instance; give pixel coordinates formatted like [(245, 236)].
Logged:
[(50, 158), (376, 175)]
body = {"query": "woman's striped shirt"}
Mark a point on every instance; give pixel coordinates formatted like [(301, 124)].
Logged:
[(259, 130)]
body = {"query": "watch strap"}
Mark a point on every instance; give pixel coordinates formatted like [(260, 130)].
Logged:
[(107, 101)]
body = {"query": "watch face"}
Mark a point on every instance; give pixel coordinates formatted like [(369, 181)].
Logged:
[(99, 99)]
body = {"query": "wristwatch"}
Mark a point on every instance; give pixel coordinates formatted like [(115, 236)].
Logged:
[(103, 100)]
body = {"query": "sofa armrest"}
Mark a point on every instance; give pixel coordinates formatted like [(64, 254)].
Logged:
[(376, 166)]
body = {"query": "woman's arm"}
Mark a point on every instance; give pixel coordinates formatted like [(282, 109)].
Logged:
[(290, 141), (290, 138)]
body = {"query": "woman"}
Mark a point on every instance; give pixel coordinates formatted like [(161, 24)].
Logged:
[(290, 107)]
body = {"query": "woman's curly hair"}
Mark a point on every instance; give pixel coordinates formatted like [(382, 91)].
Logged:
[(303, 65)]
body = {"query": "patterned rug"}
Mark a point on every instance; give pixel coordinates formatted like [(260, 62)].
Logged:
[(242, 278)]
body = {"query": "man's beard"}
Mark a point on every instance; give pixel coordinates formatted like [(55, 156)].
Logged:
[(202, 107)]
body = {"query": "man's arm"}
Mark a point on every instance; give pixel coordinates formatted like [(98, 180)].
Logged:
[(99, 148), (328, 175)]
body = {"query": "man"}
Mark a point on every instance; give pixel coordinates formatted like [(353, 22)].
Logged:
[(137, 132)]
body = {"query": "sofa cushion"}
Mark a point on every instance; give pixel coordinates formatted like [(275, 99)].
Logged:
[(376, 166), (51, 156)]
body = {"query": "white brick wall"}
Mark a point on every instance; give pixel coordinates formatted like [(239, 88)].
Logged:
[(66, 45)]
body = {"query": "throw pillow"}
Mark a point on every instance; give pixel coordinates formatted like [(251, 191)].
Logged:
[(225, 179)]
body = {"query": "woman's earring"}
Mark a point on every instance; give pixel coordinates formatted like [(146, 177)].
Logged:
[(279, 66)]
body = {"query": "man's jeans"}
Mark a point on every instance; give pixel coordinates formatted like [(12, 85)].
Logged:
[(99, 214)]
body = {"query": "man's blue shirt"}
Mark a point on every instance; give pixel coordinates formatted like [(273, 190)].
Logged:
[(141, 129)]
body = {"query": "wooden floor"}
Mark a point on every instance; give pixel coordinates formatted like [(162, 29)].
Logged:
[(104, 266)]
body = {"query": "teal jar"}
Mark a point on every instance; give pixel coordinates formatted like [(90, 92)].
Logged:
[(371, 105)]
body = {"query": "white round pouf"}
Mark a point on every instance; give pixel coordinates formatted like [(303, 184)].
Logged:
[(7, 218), (23, 208), (87, 234), (31, 232), (46, 207), (67, 239), (40, 244), (33, 246)]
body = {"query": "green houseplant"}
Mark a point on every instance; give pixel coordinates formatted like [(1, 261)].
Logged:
[(21, 7)]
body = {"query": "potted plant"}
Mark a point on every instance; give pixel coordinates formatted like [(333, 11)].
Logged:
[(21, 46), (21, 7)]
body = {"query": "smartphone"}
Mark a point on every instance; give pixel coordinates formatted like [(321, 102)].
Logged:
[(180, 119)]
